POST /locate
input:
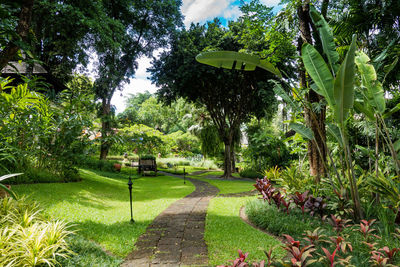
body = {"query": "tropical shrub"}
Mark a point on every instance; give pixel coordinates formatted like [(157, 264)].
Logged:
[(29, 239), (97, 164), (336, 241), (250, 173), (40, 134), (265, 149)]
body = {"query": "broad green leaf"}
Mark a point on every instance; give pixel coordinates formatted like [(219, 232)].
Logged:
[(9, 176), (388, 68), (364, 108), (12, 194), (334, 131), (344, 84), (305, 132), (397, 145), (235, 60), (375, 93), (319, 72), (326, 36), (364, 150), (278, 90), (390, 112)]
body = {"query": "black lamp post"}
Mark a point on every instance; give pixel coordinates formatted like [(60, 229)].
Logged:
[(130, 196), (184, 176)]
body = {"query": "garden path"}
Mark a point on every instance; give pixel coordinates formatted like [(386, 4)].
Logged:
[(176, 236)]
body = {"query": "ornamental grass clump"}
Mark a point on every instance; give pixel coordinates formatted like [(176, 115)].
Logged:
[(27, 238)]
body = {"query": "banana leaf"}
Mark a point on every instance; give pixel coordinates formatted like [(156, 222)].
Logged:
[(344, 85), (7, 176), (236, 60), (361, 107), (278, 90), (319, 72), (326, 36), (304, 131), (396, 145), (390, 112), (375, 93), (334, 131)]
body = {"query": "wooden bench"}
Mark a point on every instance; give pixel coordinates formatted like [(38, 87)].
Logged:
[(147, 165)]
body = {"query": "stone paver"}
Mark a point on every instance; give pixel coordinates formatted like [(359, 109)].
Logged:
[(176, 236)]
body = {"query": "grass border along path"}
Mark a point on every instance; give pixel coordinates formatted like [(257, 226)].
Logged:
[(99, 207), (226, 232)]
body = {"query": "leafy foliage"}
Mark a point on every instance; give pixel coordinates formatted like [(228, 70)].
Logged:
[(27, 239)]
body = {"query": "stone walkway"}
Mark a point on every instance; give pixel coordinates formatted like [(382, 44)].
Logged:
[(176, 236)]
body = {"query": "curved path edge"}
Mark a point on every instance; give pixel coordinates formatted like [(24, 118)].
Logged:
[(176, 236), (245, 218)]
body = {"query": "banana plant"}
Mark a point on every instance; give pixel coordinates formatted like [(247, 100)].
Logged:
[(5, 188), (336, 84), (373, 104)]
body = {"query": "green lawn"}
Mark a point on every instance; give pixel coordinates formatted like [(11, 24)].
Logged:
[(226, 233), (99, 205)]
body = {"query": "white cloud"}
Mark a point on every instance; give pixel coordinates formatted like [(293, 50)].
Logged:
[(270, 2), (201, 10), (232, 13)]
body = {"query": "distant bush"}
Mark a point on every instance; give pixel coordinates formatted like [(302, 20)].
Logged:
[(249, 173), (148, 156), (96, 164), (36, 175)]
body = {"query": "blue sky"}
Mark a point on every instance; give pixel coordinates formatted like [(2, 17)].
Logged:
[(194, 11)]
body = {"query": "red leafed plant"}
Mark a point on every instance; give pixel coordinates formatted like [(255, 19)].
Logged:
[(366, 230), (330, 257), (378, 259), (315, 236), (338, 223), (239, 262), (341, 244), (300, 256), (315, 205), (286, 204), (300, 199), (270, 257), (264, 186), (390, 253)]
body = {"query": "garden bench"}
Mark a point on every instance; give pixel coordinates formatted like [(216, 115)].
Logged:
[(147, 165)]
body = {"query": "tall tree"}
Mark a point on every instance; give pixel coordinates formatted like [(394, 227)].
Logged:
[(314, 120), (13, 39), (132, 29), (230, 97)]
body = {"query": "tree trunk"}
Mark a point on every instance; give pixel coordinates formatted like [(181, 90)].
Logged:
[(316, 122), (233, 164), (227, 158), (22, 30), (105, 128)]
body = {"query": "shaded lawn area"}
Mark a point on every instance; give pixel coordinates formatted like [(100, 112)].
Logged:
[(217, 173), (226, 233), (99, 205), (179, 169), (225, 186)]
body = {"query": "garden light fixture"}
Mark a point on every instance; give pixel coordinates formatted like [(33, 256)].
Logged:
[(130, 197)]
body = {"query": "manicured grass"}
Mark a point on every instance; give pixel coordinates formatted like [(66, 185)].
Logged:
[(226, 233), (99, 205), (179, 169), (229, 186)]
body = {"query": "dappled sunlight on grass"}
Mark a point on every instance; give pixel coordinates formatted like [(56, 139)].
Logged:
[(99, 206), (228, 186), (226, 233)]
